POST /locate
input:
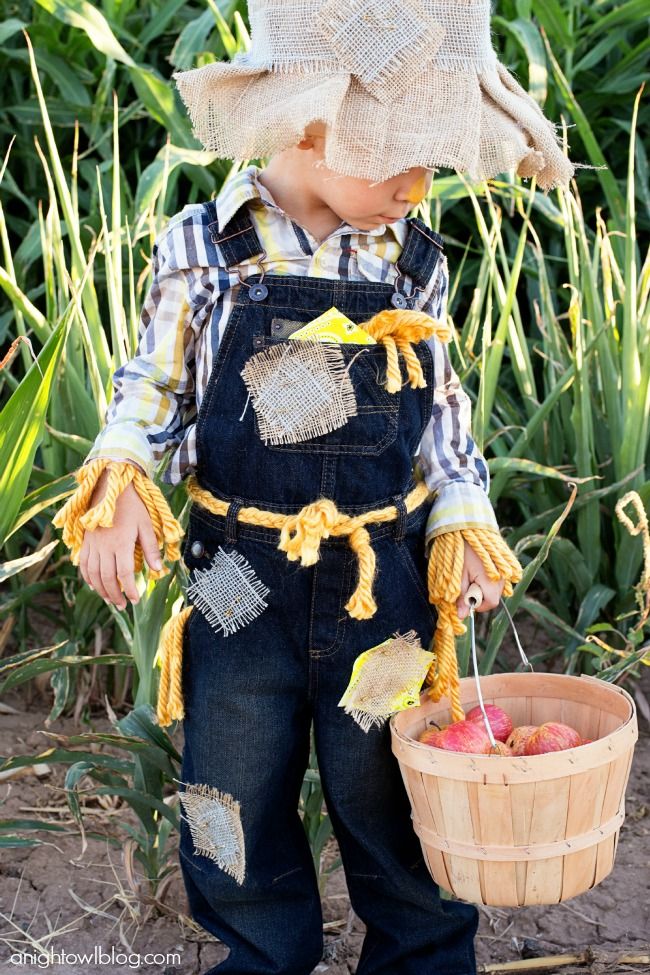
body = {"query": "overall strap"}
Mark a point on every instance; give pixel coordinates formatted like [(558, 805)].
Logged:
[(238, 240), (422, 250)]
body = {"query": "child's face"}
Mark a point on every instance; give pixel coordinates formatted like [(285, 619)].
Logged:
[(357, 201)]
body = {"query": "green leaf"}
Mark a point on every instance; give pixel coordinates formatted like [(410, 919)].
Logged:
[(8, 569), (88, 18), (36, 824), (42, 498), (154, 177), (512, 464), (10, 27), (500, 623), (22, 422)]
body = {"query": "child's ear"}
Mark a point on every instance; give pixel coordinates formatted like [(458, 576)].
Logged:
[(307, 142)]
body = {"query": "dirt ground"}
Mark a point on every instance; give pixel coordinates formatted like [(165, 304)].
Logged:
[(56, 897)]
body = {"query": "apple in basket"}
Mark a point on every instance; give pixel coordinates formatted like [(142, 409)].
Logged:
[(518, 739), (461, 736), (552, 736), (500, 721)]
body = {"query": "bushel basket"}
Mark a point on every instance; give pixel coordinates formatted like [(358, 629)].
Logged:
[(516, 831)]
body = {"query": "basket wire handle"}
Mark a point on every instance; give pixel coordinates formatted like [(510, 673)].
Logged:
[(474, 598)]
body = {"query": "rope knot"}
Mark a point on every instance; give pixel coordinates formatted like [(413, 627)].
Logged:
[(398, 331), (301, 534)]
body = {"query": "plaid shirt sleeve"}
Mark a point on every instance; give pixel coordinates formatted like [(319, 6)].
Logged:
[(452, 464), (153, 393)]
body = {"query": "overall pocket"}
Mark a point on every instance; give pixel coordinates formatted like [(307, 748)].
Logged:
[(373, 426)]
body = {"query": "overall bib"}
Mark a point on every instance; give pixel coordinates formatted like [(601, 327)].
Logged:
[(251, 695)]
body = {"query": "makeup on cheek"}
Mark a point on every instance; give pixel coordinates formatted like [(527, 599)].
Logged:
[(418, 191)]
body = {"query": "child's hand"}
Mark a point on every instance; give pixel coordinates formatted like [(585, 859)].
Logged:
[(473, 571), (106, 557)]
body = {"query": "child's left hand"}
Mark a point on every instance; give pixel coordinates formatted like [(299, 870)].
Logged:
[(473, 571)]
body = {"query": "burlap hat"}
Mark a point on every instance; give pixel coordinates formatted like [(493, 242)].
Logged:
[(399, 83)]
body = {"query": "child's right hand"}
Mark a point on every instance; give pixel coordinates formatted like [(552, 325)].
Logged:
[(107, 554)]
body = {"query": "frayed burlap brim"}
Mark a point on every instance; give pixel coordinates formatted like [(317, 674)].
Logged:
[(479, 122)]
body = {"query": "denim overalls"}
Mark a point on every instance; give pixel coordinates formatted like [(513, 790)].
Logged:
[(251, 696)]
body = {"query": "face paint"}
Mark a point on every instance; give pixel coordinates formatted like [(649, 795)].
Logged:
[(418, 191)]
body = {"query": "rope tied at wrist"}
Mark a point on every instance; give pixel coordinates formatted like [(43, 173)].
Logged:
[(77, 516), (445, 572)]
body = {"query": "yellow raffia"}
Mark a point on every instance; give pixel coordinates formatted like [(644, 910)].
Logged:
[(446, 560), (76, 517), (302, 533), (398, 330), (170, 692)]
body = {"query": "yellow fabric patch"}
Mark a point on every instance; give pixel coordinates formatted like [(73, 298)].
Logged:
[(333, 326)]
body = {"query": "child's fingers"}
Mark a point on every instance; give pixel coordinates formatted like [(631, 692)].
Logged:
[(83, 563), (125, 574), (108, 571), (149, 543), (491, 595), (94, 574)]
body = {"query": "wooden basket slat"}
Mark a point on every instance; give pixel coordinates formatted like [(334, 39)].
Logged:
[(606, 724), (579, 872), (435, 861), (496, 827), (544, 881), (584, 816), (605, 858), (578, 715), (465, 880), (434, 805), (616, 783), (546, 709), (417, 793), (522, 798)]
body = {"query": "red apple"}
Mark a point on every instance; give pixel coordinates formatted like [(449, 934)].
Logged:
[(552, 736), (461, 736), (500, 722), (427, 734), (518, 738)]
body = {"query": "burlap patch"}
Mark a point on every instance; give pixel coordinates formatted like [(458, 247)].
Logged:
[(299, 391), (228, 593), (385, 679), (381, 41), (215, 824)]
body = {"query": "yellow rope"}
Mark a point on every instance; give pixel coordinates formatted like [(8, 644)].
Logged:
[(301, 534), (170, 693), (76, 517), (642, 587), (444, 577), (398, 329)]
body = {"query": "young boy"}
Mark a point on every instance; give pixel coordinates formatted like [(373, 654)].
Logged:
[(302, 453)]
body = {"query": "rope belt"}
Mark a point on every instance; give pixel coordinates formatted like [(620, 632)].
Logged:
[(301, 534)]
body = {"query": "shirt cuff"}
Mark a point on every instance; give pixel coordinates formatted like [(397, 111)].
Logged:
[(117, 443), (460, 505)]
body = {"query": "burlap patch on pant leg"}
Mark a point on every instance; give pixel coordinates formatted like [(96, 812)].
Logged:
[(215, 824)]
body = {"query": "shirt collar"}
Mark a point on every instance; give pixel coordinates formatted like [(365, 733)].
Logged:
[(243, 186)]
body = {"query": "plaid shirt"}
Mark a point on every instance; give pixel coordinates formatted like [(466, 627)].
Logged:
[(157, 394)]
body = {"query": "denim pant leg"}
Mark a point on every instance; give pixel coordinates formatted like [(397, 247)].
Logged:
[(247, 729), (410, 930)]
